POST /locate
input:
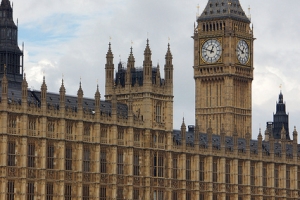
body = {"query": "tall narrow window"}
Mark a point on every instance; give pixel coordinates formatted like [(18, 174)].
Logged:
[(68, 159), (188, 168), (86, 159), (188, 195), (264, 175), (50, 156), (227, 170), (240, 173), (175, 166), (136, 194), (120, 135), (102, 193), (136, 164), (31, 155), (276, 176), (10, 190), (201, 169), (158, 165), (68, 192), (174, 195), (158, 195), (69, 130), (11, 153), (49, 191), (215, 170), (103, 161), (201, 196), (85, 192), (288, 177), (120, 163), (252, 174), (120, 193), (158, 113), (30, 191)]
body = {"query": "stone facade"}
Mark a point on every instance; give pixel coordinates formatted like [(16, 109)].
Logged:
[(55, 146)]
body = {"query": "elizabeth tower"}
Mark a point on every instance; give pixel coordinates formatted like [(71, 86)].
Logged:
[(223, 68)]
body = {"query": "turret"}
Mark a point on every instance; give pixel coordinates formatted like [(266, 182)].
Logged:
[(169, 68), (280, 118), (130, 67), (43, 94), (24, 91), (109, 70), (97, 101), (62, 98), (79, 97), (147, 65), (183, 133), (157, 77)]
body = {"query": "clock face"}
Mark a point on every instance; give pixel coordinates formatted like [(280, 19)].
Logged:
[(211, 51), (242, 52)]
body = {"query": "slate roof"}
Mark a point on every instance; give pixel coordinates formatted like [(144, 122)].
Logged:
[(34, 97), (223, 9), (216, 143)]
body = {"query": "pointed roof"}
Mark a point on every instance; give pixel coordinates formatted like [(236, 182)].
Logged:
[(6, 4), (223, 9), (147, 49), (280, 98), (169, 54)]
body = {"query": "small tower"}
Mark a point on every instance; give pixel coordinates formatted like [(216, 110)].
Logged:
[(280, 119), (79, 98), (43, 94), (147, 65), (151, 94), (169, 68), (109, 72)]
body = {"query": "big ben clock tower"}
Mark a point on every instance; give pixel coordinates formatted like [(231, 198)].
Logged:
[(223, 68)]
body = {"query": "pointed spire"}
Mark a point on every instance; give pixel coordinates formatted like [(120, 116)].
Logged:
[(147, 49), (24, 87), (157, 81), (97, 100), (131, 59), (97, 93), (109, 53), (183, 126), (80, 91), (169, 54), (62, 87), (259, 137)]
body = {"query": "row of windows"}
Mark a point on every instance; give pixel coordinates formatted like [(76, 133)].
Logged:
[(156, 195), (158, 165), (67, 193)]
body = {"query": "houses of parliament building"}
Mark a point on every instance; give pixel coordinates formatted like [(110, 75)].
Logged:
[(55, 146)]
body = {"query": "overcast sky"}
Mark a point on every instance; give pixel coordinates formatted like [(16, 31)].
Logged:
[(70, 38)]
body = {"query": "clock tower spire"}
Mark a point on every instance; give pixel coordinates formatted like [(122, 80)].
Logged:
[(223, 67)]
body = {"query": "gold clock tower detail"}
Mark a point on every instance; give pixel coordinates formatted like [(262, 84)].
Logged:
[(223, 68)]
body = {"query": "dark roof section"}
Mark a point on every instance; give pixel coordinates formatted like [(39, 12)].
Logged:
[(34, 97), (137, 75), (229, 146), (223, 9)]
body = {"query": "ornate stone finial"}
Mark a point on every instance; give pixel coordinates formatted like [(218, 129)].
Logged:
[(259, 134)]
